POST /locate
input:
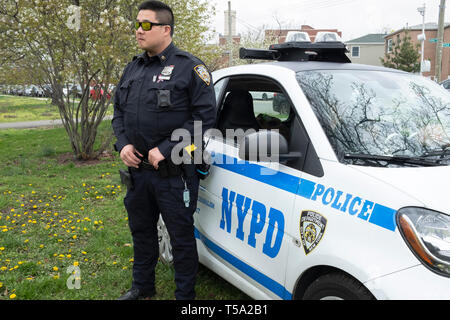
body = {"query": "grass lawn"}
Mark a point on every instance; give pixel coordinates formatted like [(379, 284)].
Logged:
[(56, 213), (17, 109)]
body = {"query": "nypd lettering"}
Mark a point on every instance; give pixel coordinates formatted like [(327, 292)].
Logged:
[(312, 228), (340, 201), (257, 212)]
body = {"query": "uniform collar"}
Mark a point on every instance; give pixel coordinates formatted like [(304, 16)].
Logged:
[(161, 58)]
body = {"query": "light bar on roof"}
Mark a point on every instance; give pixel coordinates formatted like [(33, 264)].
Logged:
[(324, 36), (297, 36)]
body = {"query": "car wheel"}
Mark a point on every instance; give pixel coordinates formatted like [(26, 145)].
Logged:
[(165, 248), (264, 96), (337, 286)]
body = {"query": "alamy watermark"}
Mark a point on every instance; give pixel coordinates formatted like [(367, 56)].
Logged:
[(74, 280), (74, 19), (261, 147)]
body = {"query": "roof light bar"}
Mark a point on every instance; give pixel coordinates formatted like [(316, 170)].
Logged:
[(297, 36), (324, 36)]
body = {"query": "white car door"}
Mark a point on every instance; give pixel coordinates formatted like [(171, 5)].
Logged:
[(243, 212)]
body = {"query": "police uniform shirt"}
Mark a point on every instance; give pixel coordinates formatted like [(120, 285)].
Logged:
[(159, 94)]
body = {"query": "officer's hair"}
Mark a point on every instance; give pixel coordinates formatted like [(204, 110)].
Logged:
[(163, 12)]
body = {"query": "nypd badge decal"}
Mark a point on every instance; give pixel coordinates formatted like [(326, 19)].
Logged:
[(312, 228), (203, 73)]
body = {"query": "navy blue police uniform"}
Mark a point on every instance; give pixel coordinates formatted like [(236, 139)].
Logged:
[(155, 96)]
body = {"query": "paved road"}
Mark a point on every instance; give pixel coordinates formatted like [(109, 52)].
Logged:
[(35, 124)]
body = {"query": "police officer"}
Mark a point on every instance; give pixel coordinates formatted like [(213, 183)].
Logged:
[(161, 90)]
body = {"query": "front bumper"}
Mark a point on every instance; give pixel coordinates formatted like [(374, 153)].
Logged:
[(415, 283)]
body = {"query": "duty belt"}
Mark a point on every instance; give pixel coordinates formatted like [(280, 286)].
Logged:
[(146, 166), (166, 168)]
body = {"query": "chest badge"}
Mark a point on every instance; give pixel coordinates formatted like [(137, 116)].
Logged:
[(166, 73), (312, 228)]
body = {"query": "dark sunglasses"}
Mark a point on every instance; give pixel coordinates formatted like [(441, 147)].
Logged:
[(147, 25)]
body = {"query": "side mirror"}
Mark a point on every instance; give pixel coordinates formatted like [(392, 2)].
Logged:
[(266, 146)]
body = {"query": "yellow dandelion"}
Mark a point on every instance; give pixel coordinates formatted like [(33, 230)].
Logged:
[(55, 269), (75, 263), (13, 296)]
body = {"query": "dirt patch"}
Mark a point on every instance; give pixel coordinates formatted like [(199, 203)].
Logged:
[(69, 157)]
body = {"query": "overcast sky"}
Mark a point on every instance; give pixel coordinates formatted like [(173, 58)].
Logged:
[(354, 18)]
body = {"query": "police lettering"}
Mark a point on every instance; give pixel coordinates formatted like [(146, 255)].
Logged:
[(258, 216), (354, 206)]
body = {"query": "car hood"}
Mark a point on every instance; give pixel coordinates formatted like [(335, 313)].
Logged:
[(429, 185)]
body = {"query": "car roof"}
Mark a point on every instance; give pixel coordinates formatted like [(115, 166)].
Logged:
[(298, 66)]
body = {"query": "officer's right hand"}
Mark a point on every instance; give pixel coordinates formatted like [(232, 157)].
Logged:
[(127, 154)]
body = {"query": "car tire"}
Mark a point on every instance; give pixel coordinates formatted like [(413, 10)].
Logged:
[(165, 248), (337, 286)]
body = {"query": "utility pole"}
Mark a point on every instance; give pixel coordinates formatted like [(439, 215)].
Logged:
[(422, 37), (230, 36), (440, 37)]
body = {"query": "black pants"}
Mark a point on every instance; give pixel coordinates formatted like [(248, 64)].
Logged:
[(150, 196)]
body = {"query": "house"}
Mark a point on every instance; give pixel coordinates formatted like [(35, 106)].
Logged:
[(367, 49), (431, 30), (279, 35)]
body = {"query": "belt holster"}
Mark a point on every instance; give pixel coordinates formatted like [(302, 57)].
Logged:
[(167, 168)]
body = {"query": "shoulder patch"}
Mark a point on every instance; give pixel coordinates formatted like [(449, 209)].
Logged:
[(203, 73)]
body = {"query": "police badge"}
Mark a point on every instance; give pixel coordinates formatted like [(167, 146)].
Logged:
[(312, 228), (203, 73)]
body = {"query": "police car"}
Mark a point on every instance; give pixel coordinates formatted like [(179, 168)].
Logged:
[(351, 203)]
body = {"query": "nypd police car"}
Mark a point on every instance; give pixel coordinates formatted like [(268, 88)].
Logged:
[(350, 204)]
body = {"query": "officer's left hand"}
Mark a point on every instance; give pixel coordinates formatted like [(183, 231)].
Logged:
[(154, 157)]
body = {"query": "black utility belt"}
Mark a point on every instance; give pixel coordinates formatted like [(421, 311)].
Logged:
[(165, 169)]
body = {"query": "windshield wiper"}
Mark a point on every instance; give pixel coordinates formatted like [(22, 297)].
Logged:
[(436, 153), (393, 159)]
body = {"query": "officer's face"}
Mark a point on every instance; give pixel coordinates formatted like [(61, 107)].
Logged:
[(154, 40)]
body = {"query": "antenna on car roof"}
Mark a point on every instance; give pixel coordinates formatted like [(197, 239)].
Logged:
[(300, 51)]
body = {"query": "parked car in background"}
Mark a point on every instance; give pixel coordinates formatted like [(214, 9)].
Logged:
[(280, 103), (446, 84), (261, 95), (96, 92), (73, 89)]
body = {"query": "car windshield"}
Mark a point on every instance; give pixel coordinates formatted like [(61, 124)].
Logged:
[(371, 116)]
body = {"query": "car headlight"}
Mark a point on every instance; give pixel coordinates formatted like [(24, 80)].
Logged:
[(427, 234)]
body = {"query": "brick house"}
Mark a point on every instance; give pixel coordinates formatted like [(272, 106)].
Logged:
[(430, 47)]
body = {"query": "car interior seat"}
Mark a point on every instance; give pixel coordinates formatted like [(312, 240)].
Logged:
[(237, 112)]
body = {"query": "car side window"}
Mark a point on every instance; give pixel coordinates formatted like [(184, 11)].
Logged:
[(250, 104)]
